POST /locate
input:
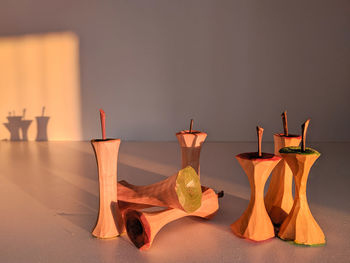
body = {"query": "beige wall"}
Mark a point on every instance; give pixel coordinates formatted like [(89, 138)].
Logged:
[(231, 65)]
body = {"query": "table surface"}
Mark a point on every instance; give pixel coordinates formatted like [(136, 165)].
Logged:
[(49, 204)]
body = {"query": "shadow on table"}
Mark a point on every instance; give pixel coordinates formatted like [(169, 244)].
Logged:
[(61, 187), (66, 181), (230, 209), (89, 203)]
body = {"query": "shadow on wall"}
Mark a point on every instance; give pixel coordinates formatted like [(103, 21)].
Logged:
[(40, 69), (18, 126)]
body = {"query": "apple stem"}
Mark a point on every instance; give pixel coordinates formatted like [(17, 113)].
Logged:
[(103, 123), (260, 132), (304, 127), (43, 111), (285, 123), (191, 125), (10, 113), (24, 113)]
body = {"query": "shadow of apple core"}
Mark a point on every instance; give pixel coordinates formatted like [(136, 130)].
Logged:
[(14, 126), (42, 122)]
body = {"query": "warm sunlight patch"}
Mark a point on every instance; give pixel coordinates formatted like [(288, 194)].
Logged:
[(39, 71)]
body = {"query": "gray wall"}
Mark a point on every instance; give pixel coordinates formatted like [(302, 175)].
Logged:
[(152, 65)]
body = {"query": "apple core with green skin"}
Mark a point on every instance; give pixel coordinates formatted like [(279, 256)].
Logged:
[(300, 226), (181, 191)]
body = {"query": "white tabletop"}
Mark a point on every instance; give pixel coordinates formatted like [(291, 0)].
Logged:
[(49, 204)]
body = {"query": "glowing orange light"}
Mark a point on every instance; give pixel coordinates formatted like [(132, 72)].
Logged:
[(42, 70)]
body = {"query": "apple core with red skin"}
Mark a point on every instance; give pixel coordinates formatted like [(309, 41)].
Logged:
[(191, 145), (255, 224)]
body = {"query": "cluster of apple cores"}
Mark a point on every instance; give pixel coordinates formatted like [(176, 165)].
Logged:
[(293, 217), (121, 205)]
